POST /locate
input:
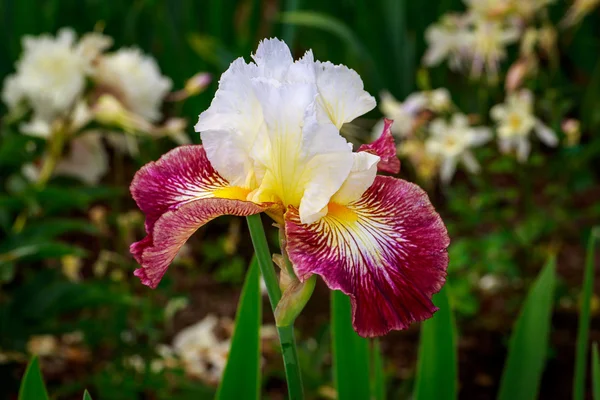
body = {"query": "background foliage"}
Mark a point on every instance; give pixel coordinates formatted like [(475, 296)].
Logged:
[(504, 223)]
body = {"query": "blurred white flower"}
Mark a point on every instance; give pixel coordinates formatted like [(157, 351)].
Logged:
[(42, 345), (86, 160), (516, 120), (403, 113), (446, 39), (486, 44), (203, 354), (438, 100), (50, 77), (452, 142), (578, 11), (136, 80)]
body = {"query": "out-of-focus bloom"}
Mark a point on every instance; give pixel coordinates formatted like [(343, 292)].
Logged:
[(136, 81), (446, 40), (405, 114), (425, 164), (202, 353), (43, 345), (452, 142), (518, 72), (86, 160), (272, 144), (110, 111), (578, 11), (470, 40), (50, 77), (572, 129), (173, 128), (516, 120), (402, 113), (487, 46)]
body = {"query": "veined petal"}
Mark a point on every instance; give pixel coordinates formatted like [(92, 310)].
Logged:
[(157, 250), (385, 148), (179, 193), (387, 251)]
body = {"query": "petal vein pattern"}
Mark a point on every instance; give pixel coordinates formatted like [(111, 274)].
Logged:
[(180, 193), (387, 251)]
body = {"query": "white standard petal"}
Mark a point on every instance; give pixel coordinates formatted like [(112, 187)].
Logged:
[(342, 92), (229, 127), (273, 58), (361, 177)]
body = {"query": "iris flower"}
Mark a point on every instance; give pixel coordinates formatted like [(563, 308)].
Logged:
[(271, 143)]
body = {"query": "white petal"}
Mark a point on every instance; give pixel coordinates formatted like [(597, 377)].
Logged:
[(273, 58), (523, 149), (36, 127), (342, 92), (447, 170), (546, 135), (470, 162), (229, 127), (361, 177), (86, 160), (498, 112), (325, 174), (481, 136)]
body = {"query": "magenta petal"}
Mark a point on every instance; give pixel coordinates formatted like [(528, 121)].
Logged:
[(385, 148), (179, 193), (157, 250), (387, 251), (182, 175)]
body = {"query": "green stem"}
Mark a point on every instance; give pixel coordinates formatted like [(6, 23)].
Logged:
[(286, 334), (54, 150)]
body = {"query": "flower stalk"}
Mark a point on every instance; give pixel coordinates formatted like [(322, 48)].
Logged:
[(286, 333)]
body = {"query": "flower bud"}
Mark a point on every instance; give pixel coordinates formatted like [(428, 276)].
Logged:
[(197, 83), (294, 299)]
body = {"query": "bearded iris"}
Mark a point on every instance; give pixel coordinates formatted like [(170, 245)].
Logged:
[(271, 143)]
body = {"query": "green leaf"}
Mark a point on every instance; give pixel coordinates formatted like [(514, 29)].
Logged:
[(583, 334), (378, 385), (437, 366), (32, 385), (350, 352), (529, 340), (86, 395), (596, 372), (241, 378)]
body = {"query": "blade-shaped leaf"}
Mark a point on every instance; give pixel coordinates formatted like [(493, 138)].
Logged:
[(596, 372), (32, 385), (350, 352), (379, 389), (86, 395), (241, 378), (437, 367), (529, 340), (584, 319)]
